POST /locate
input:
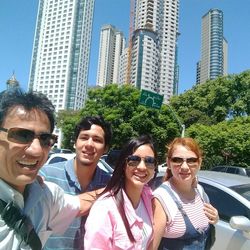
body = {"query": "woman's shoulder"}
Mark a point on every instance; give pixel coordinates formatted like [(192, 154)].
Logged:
[(163, 194), (104, 205), (162, 188), (165, 199)]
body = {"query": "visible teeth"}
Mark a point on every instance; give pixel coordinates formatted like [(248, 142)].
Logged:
[(27, 163), (141, 176)]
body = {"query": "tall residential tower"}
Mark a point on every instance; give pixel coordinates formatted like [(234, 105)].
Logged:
[(153, 49), (112, 45), (60, 58), (213, 47)]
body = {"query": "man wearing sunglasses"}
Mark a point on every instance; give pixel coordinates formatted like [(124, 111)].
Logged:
[(92, 139), (30, 211)]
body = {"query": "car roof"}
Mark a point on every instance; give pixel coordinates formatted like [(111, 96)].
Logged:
[(225, 179), (105, 166), (67, 156)]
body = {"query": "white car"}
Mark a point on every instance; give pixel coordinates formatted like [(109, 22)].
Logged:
[(58, 157), (162, 168), (230, 194)]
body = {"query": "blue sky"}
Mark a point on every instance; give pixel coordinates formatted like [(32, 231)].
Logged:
[(17, 26)]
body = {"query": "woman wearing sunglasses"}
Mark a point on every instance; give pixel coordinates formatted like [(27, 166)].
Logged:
[(122, 217), (181, 214)]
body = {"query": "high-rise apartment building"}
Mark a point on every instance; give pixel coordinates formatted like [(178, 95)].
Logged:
[(213, 47), (61, 49), (112, 44), (153, 63)]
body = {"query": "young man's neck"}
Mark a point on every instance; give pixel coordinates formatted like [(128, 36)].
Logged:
[(84, 173)]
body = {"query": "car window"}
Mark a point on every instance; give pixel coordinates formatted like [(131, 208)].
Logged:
[(243, 190), (238, 171), (226, 205), (57, 159), (220, 169), (156, 182), (231, 170), (248, 172), (66, 151), (112, 157)]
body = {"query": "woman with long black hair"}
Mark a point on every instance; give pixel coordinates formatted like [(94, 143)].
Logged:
[(122, 217)]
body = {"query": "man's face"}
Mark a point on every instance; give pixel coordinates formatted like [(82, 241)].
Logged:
[(20, 163), (90, 146)]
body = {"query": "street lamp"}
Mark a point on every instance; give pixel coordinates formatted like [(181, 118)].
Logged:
[(182, 130), (181, 125)]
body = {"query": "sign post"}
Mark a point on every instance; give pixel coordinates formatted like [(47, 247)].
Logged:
[(150, 99), (153, 100)]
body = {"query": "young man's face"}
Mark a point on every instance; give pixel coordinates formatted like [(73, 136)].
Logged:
[(20, 163), (90, 146)]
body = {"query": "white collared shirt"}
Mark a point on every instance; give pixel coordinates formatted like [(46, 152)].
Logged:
[(49, 209)]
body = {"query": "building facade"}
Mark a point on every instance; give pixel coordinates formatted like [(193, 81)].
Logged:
[(213, 47), (112, 45), (154, 43), (61, 50)]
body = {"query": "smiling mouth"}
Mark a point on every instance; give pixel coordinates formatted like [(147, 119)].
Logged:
[(88, 154), (141, 176), (184, 173), (27, 164)]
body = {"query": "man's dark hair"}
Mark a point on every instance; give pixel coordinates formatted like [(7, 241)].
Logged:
[(87, 122), (10, 99)]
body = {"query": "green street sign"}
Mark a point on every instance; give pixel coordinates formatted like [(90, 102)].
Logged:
[(150, 99)]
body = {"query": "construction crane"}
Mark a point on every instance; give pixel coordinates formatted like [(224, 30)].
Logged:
[(131, 29)]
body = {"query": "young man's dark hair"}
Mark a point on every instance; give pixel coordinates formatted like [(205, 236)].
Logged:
[(87, 122), (30, 100)]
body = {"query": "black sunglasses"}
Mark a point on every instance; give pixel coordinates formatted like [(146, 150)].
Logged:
[(178, 161), (26, 136), (134, 161)]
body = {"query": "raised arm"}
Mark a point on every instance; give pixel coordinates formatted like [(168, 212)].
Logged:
[(87, 199)]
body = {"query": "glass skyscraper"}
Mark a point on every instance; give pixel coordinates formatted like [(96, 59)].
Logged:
[(213, 47), (154, 44), (61, 49)]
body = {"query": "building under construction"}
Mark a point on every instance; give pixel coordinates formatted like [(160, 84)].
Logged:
[(152, 62)]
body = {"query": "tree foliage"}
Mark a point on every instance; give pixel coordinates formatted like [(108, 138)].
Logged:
[(226, 143), (119, 105), (215, 101), (216, 113)]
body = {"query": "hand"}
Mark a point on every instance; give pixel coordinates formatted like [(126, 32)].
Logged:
[(211, 213)]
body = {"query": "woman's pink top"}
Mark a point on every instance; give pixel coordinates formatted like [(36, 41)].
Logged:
[(105, 228)]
